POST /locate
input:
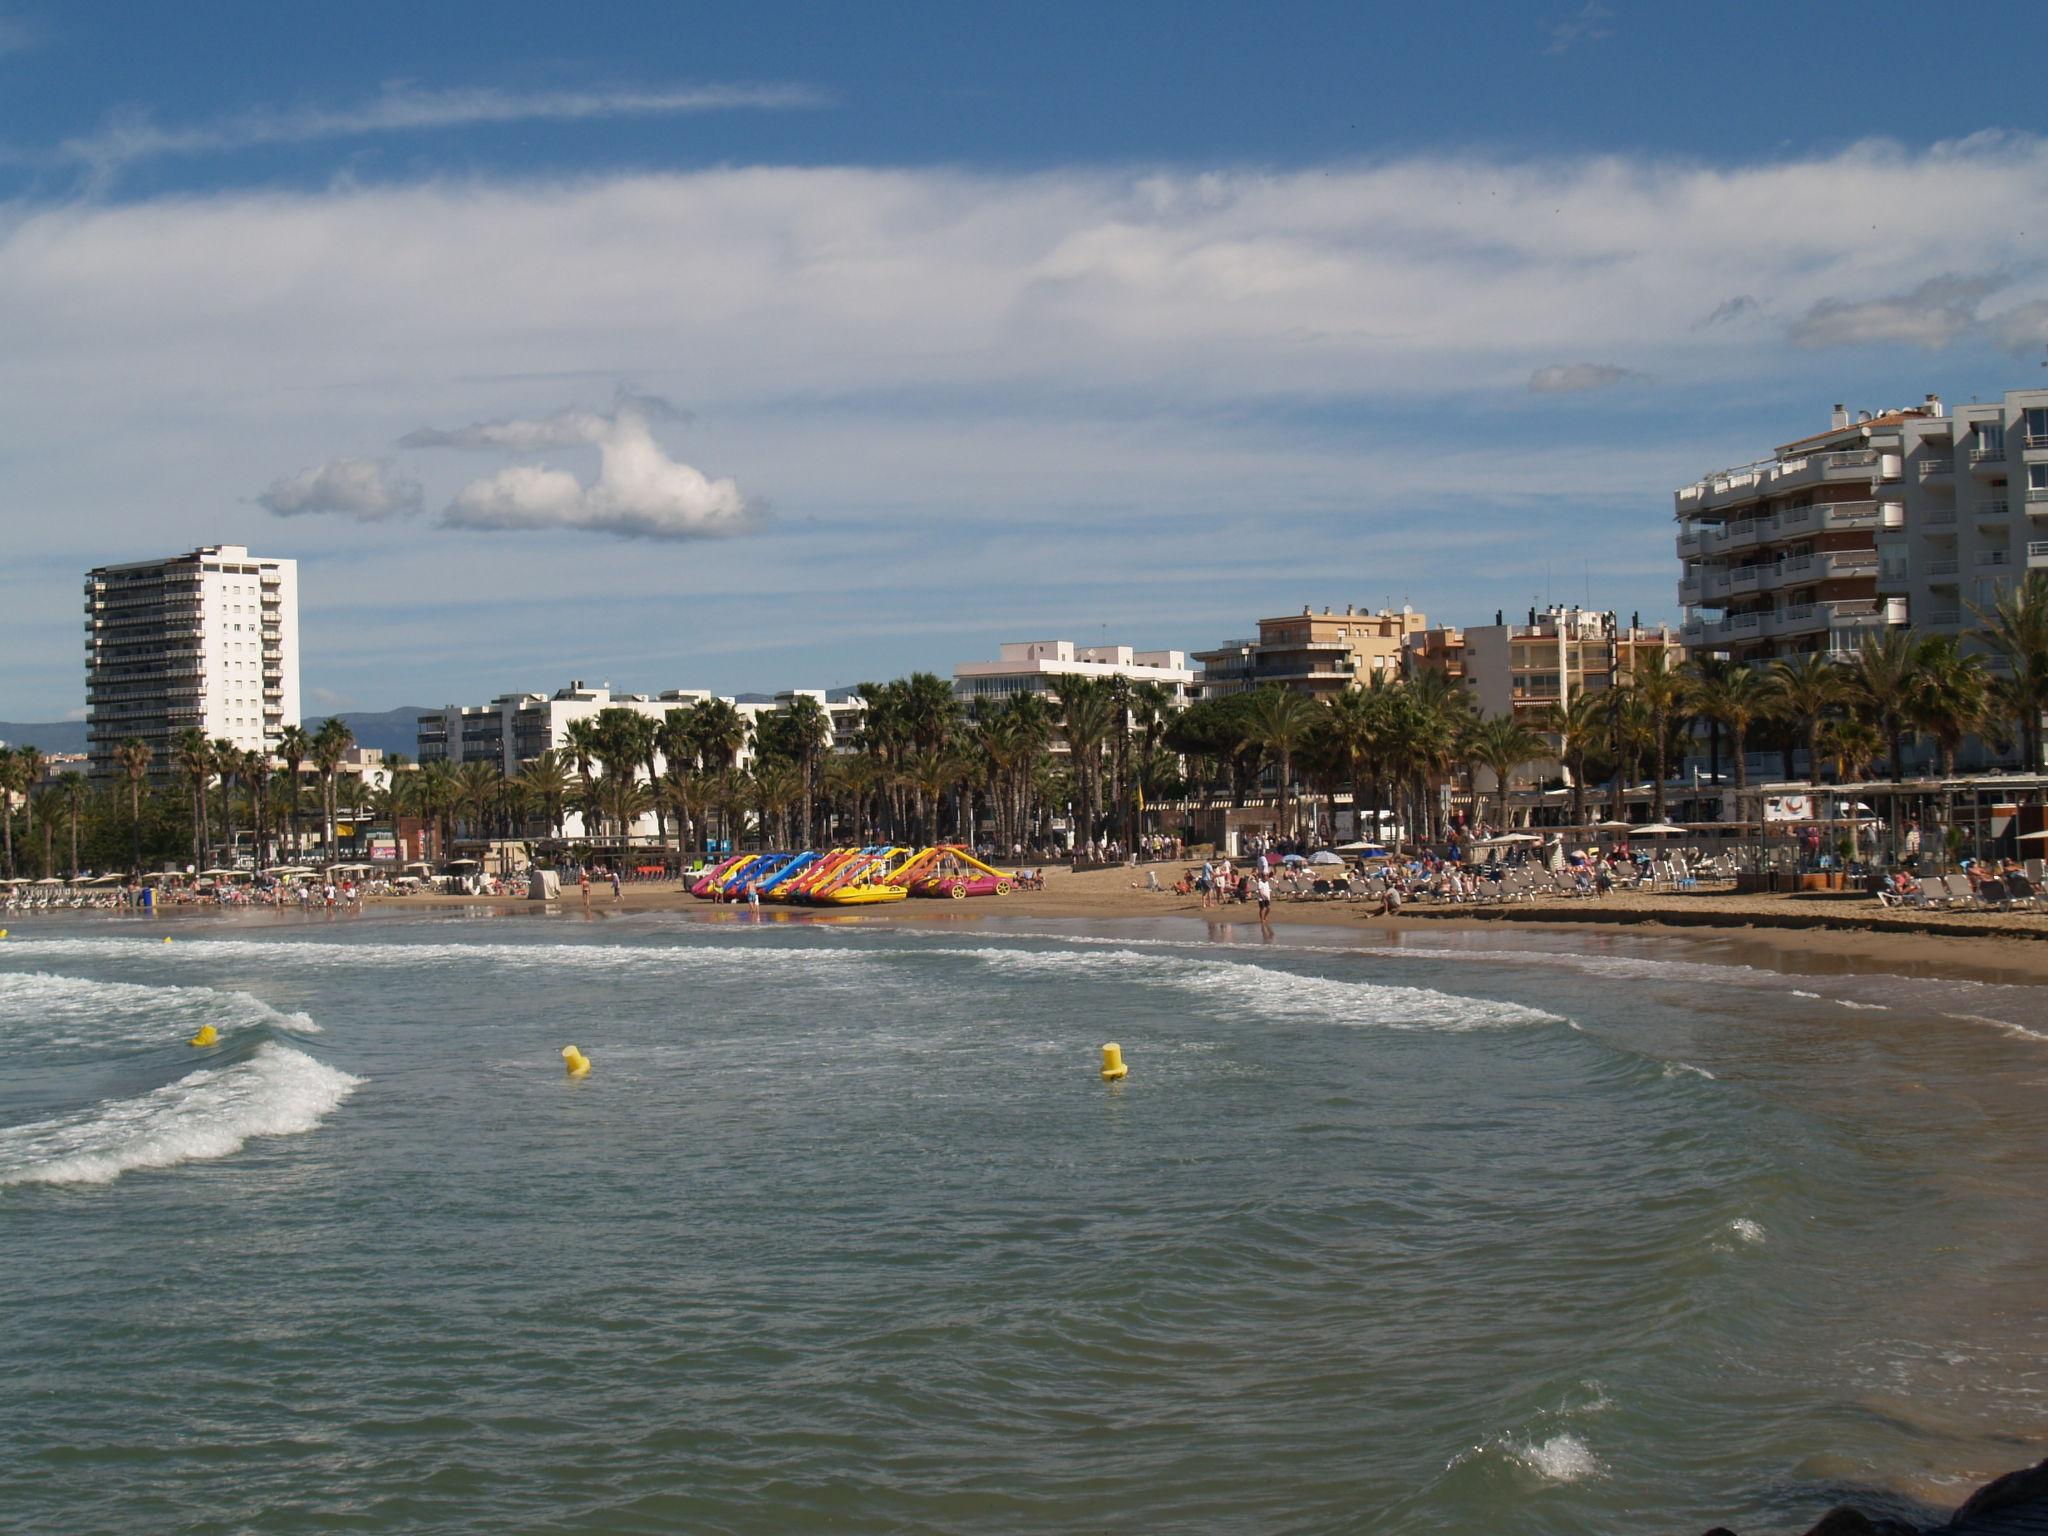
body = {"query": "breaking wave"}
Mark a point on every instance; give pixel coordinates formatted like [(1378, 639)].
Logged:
[(73, 1011), (211, 1113)]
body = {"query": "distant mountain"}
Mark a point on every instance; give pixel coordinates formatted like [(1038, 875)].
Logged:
[(58, 736), (392, 730)]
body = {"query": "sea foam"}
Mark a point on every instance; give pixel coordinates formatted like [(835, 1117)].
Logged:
[(211, 1113), (72, 1010)]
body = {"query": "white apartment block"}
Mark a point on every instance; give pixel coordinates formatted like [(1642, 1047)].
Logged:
[(1779, 557), (1033, 666), (1976, 511), (207, 639), (515, 728), (1917, 516)]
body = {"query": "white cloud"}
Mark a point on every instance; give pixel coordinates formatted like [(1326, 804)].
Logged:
[(640, 492), (368, 490), (400, 107), (1576, 378), (1932, 314), (1589, 23), (565, 429)]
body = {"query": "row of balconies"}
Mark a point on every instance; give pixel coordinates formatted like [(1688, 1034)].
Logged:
[(1804, 618), (1707, 539), (1775, 479), (1710, 586)]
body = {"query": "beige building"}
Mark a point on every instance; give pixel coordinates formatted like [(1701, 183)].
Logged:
[(1318, 654), (1557, 655)]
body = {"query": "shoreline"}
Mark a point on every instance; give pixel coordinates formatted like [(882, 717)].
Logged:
[(1814, 934)]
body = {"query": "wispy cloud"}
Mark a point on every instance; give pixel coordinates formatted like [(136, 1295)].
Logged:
[(1932, 314), (400, 108), (368, 490), (1589, 23), (1577, 378), (1731, 311), (565, 429), (16, 36)]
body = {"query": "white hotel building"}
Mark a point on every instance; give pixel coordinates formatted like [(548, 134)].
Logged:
[(207, 639), (1033, 666), (1903, 517)]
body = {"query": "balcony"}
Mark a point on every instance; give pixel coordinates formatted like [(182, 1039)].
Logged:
[(1938, 517), (2037, 554), (1993, 557), (1937, 469), (1945, 618), (2037, 500), (1988, 459), (1943, 567), (2035, 442), (1990, 511)]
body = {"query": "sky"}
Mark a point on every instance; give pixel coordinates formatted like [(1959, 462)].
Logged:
[(791, 345)]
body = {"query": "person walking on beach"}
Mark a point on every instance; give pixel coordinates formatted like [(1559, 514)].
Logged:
[(616, 896), (1263, 889)]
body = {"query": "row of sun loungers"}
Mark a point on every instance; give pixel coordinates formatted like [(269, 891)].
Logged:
[(1954, 893)]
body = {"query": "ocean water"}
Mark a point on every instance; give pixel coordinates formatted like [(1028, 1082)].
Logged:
[(1479, 1233)]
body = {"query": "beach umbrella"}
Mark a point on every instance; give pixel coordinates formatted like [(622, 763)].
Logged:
[(2034, 837), (1356, 847), (1324, 856), (1660, 829), (1614, 826), (1294, 858)]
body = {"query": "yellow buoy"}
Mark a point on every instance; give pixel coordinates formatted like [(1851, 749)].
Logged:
[(1113, 1063), (207, 1035), (3, 933), (578, 1063), (167, 938)]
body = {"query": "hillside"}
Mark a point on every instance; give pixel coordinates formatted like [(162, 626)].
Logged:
[(392, 730)]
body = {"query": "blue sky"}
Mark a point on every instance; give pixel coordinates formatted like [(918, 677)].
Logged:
[(768, 346)]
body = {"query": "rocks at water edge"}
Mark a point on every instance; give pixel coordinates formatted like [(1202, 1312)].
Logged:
[(2016, 1503)]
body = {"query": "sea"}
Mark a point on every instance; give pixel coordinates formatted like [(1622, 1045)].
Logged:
[(1469, 1232)]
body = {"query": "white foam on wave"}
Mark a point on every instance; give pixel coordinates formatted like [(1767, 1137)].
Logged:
[(74, 1010), (1680, 1068), (1269, 990), (1863, 1007), (211, 1113), (2005, 1025), (1560, 1459), (319, 954), (1815, 996), (1748, 1231)]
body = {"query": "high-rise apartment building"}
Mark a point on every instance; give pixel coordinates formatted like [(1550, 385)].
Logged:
[(1976, 511), (1913, 516), (1780, 556), (207, 639), (1557, 655)]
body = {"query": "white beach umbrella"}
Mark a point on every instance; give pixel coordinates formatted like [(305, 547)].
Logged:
[(1324, 856), (1660, 829)]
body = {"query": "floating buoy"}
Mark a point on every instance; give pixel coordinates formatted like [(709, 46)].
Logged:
[(1113, 1063), (578, 1063), (3, 933), (167, 938), (207, 1035)]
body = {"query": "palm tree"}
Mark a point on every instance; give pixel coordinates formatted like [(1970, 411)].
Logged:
[(132, 757), (294, 746), (546, 781), (2016, 631), (74, 795), (1804, 694), (31, 764), (581, 739), (195, 761), (479, 785), (11, 783), (1881, 684), (931, 772), (1579, 725), (1087, 716), (256, 774), (1949, 696), (227, 767), (1663, 689), (1736, 700), (1504, 744), (1280, 720), (775, 786), (432, 791), (810, 733), (331, 744)]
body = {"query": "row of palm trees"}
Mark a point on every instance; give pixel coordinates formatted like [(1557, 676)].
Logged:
[(1100, 757)]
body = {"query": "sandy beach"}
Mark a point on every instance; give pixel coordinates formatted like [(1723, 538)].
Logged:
[(1812, 931)]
